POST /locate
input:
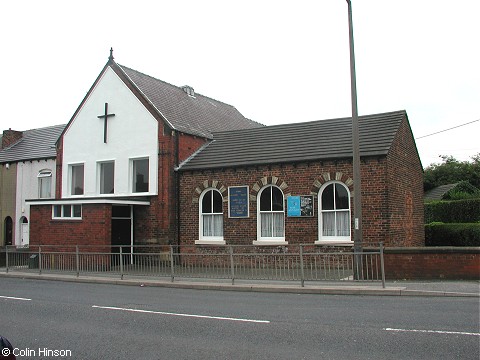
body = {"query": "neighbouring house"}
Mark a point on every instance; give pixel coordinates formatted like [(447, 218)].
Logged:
[(116, 183), (28, 171), (293, 184), (437, 193)]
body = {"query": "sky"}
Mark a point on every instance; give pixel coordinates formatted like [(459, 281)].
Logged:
[(276, 61)]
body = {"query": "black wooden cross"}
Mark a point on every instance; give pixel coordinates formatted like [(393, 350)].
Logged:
[(105, 117)]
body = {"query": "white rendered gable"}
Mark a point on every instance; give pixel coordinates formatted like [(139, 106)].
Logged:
[(131, 134)]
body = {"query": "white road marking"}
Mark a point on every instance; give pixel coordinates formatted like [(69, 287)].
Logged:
[(434, 331), (184, 315), (14, 298)]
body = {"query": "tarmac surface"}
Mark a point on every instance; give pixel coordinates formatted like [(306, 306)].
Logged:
[(448, 288)]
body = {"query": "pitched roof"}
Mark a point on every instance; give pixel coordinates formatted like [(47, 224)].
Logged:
[(35, 144), (316, 140), (197, 115), (437, 193)]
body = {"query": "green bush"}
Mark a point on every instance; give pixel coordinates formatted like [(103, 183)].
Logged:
[(438, 234), (463, 190), (459, 211)]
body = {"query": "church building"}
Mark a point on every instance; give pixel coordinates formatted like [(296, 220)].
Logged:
[(293, 184), (144, 162), (115, 162)]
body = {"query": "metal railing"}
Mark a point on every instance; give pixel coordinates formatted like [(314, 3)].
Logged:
[(288, 263)]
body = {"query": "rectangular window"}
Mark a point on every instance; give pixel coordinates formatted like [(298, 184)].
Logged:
[(44, 184), (107, 176), (67, 212), (140, 175), (77, 179)]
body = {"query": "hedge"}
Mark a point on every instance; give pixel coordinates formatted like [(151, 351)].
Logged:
[(459, 211), (452, 234)]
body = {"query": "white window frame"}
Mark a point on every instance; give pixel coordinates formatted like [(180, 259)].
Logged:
[(206, 240), (44, 175), (71, 179), (132, 175), (100, 167), (67, 212), (322, 239), (277, 240)]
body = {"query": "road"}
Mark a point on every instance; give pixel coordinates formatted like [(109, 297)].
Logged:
[(94, 321)]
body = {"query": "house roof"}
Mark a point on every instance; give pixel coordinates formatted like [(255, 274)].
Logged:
[(299, 142), (35, 144), (437, 193), (197, 115)]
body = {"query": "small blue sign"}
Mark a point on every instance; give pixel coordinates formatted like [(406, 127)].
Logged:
[(293, 206)]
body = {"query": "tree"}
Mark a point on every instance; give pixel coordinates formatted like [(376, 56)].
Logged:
[(452, 171)]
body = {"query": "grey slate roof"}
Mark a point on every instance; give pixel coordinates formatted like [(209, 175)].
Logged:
[(436, 194), (35, 144), (198, 115), (316, 140)]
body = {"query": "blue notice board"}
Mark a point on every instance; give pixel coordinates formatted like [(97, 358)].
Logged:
[(301, 206), (293, 206), (238, 202)]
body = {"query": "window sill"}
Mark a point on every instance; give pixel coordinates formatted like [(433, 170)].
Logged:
[(334, 242), (270, 242), (210, 242)]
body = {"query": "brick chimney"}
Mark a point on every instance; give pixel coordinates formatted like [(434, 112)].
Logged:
[(10, 137)]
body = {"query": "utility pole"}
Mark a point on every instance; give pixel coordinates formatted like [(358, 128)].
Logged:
[(357, 189)]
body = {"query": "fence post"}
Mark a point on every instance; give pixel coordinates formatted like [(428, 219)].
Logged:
[(172, 268), (40, 260), (6, 257), (121, 263), (232, 265), (77, 260), (302, 274), (382, 265)]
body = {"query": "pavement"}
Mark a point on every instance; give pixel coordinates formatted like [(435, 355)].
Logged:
[(439, 288)]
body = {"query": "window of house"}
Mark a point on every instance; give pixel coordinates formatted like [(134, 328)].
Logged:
[(271, 209), (44, 184), (107, 177), (211, 215), (77, 184), (140, 175), (334, 205), (68, 211)]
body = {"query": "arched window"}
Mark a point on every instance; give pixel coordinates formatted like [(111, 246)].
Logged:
[(211, 216), (24, 232), (44, 184), (334, 212), (271, 214)]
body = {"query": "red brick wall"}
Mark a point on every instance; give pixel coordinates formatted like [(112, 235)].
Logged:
[(188, 145), (301, 179), (432, 263), (157, 223), (93, 229), (405, 191)]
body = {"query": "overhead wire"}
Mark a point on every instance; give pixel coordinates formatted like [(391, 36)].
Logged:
[(441, 131)]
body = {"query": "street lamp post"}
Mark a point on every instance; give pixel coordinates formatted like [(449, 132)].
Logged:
[(357, 197)]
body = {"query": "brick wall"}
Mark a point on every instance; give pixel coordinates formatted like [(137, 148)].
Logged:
[(93, 229), (405, 191), (157, 223), (299, 179), (432, 263)]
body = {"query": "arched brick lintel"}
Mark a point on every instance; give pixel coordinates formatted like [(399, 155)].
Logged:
[(326, 177), (209, 184)]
